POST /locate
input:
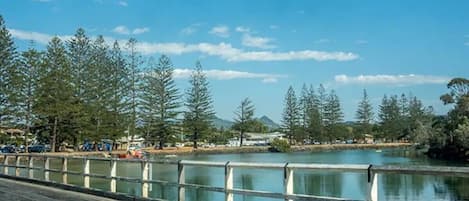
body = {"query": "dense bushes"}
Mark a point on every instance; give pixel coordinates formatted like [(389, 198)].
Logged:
[(279, 145)]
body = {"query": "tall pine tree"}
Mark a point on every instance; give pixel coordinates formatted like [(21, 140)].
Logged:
[(291, 118), (364, 114), (160, 101), (244, 118), (55, 93), (8, 61), (199, 114)]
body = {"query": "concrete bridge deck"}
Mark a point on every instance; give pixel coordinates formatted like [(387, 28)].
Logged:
[(22, 191)]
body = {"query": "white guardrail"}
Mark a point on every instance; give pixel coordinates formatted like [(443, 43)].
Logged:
[(371, 171)]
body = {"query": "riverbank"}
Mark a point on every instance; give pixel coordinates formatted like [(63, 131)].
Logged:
[(262, 149), (228, 150)]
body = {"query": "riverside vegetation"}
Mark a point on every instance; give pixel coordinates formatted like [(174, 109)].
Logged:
[(87, 88)]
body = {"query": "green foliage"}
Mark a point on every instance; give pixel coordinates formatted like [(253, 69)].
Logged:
[(279, 145), (333, 117), (244, 117), (290, 117), (199, 114), (365, 114), (160, 101), (8, 63)]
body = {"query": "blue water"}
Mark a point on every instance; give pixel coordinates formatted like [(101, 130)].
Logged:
[(322, 183)]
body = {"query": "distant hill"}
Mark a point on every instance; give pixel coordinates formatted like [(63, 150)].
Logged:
[(218, 123), (227, 124), (268, 122)]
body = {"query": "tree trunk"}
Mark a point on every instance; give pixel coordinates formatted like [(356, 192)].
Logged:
[(54, 135), (161, 144), (195, 140), (241, 137)]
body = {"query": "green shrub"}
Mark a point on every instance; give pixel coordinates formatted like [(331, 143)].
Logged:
[(279, 145)]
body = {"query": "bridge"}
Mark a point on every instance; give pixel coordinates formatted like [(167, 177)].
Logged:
[(22, 167)]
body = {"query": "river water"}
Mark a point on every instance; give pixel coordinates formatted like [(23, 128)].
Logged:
[(322, 183)]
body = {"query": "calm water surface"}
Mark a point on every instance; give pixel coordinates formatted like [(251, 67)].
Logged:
[(323, 183)]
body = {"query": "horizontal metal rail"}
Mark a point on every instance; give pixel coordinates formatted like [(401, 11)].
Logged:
[(145, 178)]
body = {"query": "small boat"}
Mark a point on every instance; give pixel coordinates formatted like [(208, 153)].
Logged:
[(170, 156), (379, 150), (136, 153)]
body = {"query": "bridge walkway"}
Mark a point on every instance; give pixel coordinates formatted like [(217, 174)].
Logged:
[(23, 191)]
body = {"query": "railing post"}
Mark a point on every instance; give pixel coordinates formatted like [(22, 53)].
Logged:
[(64, 170), (30, 167), (86, 172), (5, 164), (144, 166), (288, 181), (17, 168), (228, 182), (181, 181), (46, 168), (113, 175), (372, 185)]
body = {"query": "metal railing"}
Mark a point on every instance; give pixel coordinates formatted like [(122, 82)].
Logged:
[(371, 171)]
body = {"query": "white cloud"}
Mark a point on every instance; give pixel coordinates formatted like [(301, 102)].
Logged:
[(222, 50), (123, 3), (269, 80), (322, 40), (121, 30), (220, 31), (400, 80), (190, 29), (361, 42), (180, 73), (243, 29), (259, 42), (273, 27), (231, 54), (35, 36), (140, 30)]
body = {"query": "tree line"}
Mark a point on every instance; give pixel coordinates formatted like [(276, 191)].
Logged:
[(85, 88)]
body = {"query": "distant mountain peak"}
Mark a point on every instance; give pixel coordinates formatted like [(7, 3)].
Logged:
[(268, 122)]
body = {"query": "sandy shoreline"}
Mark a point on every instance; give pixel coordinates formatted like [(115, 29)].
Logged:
[(247, 149)]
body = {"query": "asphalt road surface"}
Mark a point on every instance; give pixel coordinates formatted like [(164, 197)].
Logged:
[(11, 190)]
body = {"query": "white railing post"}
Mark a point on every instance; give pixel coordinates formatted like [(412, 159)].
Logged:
[(144, 166), (113, 175), (30, 167), (64, 170), (372, 185), (288, 181), (86, 172), (5, 164), (17, 168), (181, 181), (46, 168), (228, 182)]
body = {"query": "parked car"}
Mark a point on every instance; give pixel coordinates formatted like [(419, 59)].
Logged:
[(39, 148), (8, 149)]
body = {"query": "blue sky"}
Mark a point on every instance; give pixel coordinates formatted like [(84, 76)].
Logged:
[(257, 49)]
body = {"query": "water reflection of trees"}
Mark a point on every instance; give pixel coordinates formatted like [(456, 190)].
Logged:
[(246, 183), (396, 185), (198, 176), (323, 184), (452, 188)]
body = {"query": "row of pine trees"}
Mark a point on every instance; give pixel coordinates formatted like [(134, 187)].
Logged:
[(86, 88)]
